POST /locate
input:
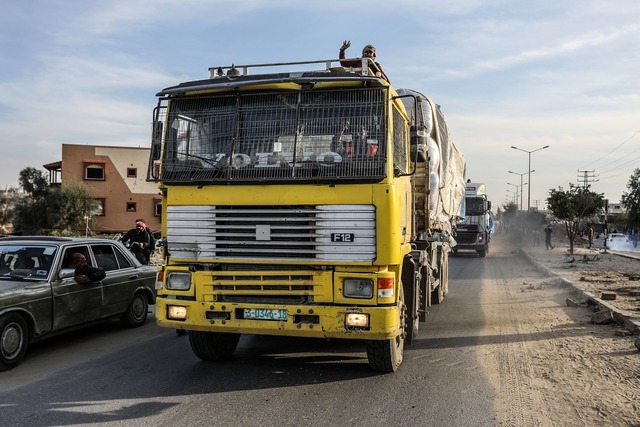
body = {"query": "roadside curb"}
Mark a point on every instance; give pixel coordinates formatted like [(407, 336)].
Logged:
[(621, 318)]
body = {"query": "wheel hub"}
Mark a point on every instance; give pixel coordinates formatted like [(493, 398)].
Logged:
[(11, 340)]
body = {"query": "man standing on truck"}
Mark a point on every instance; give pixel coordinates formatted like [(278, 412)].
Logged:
[(367, 52)]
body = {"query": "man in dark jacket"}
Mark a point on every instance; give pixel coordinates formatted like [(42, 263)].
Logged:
[(139, 241), (85, 274)]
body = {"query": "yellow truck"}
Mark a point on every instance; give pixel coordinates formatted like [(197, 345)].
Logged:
[(302, 199)]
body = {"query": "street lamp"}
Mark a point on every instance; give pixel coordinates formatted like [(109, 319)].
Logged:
[(518, 189), (521, 184), (529, 153), (515, 193)]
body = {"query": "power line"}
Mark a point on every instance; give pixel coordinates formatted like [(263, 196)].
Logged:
[(612, 151)]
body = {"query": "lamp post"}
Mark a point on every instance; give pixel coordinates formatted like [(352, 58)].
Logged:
[(518, 189), (515, 193), (521, 184), (529, 153)]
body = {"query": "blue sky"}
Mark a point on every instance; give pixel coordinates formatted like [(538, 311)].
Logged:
[(506, 72)]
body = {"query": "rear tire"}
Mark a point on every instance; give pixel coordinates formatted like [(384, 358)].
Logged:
[(386, 355), (14, 339), (213, 346)]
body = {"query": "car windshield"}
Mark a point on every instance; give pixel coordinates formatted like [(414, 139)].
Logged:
[(26, 261)]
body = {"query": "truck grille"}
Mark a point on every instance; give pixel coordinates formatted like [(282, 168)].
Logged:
[(324, 232)]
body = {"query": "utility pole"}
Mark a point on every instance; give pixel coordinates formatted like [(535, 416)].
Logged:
[(587, 177)]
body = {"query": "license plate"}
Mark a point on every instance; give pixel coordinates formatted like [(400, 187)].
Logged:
[(264, 314)]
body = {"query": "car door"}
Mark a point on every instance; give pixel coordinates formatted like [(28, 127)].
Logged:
[(74, 303), (122, 280)]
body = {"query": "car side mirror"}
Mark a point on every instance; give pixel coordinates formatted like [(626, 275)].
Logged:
[(65, 273)]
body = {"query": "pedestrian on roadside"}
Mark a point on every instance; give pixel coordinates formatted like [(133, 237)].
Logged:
[(547, 237), (590, 235), (152, 241), (138, 240)]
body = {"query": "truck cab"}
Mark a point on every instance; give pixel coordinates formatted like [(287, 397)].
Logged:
[(475, 228)]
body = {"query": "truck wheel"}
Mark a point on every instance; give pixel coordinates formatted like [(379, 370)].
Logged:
[(136, 313), (482, 253), (386, 355), (213, 346), (14, 338)]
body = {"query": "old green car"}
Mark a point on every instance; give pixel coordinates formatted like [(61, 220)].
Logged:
[(39, 296)]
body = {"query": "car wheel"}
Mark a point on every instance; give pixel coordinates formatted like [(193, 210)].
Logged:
[(14, 338), (136, 313)]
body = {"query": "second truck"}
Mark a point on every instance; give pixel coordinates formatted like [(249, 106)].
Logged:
[(475, 226), (300, 203)]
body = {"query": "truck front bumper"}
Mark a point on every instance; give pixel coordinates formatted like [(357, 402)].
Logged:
[(318, 321)]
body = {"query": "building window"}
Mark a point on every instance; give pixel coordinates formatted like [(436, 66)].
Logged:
[(131, 206), (99, 210), (158, 208), (132, 172), (94, 171)]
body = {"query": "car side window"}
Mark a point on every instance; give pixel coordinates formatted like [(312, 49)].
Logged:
[(105, 257), (122, 260), (66, 258)]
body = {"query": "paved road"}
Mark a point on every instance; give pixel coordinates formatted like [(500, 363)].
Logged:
[(148, 376)]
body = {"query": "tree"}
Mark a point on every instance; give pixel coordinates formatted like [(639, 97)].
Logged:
[(30, 211), (573, 206), (51, 210), (631, 200)]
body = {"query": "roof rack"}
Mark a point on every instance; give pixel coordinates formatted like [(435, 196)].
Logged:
[(368, 67)]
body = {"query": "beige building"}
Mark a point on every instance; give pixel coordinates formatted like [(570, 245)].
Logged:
[(116, 177)]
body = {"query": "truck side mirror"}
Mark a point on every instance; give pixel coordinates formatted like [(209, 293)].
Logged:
[(418, 142), (488, 205)]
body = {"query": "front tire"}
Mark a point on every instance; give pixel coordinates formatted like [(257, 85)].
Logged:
[(213, 346), (14, 339), (386, 355), (137, 310)]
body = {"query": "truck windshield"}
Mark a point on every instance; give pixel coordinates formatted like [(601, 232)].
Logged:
[(474, 206), (273, 136)]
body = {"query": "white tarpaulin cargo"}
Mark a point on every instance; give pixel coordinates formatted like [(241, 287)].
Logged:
[(446, 162)]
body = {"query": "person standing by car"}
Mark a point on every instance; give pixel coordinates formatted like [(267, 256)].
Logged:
[(84, 273), (152, 241), (138, 240), (547, 237)]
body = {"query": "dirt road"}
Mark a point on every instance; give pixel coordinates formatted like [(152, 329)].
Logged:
[(551, 365)]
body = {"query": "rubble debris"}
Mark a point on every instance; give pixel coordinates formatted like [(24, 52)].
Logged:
[(637, 343), (602, 317), (608, 296), (572, 303)]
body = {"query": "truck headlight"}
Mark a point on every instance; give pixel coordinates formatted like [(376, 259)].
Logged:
[(357, 288), (356, 320), (179, 281), (176, 312)]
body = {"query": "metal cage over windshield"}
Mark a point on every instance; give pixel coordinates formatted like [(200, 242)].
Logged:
[(275, 136)]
